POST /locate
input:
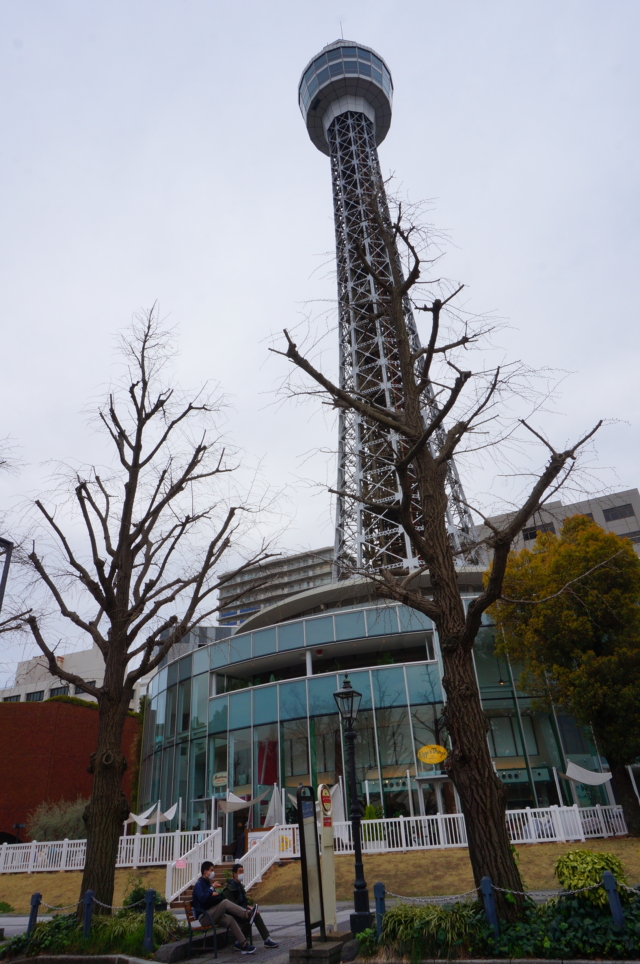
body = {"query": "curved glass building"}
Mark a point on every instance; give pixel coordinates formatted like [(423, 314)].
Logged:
[(256, 710)]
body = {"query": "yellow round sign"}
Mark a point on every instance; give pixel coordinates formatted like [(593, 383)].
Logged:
[(432, 753)]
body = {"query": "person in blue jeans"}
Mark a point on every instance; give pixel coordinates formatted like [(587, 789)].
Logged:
[(210, 907)]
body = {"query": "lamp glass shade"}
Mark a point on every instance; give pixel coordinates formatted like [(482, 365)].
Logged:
[(348, 701)]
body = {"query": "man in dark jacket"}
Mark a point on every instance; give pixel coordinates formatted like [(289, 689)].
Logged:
[(210, 907), (234, 891)]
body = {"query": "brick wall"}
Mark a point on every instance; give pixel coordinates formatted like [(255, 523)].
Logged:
[(44, 755)]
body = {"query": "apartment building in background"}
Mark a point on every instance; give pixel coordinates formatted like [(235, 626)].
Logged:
[(270, 582)]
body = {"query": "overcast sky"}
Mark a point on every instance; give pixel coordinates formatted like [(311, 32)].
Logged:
[(154, 151)]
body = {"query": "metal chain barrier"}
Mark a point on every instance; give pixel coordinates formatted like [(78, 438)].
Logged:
[(431, 900), (43, 903), (111, 907), (561, 893)]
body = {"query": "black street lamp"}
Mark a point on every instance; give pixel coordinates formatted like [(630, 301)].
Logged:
[(348, 701), (6, 548)]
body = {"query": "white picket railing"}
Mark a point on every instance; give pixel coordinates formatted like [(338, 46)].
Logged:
[(137, 850), (403, 833), (280, 842), (185, 871)]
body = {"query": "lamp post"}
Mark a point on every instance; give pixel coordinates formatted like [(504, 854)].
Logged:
[(6, 548), (348, 702)]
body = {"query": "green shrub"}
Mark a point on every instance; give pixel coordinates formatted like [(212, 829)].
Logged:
[(6, 908), (372, 813), (136, 893), (368, 942), (566, 928), (430, 930), (584, 868), (121, 934), (55, 821)]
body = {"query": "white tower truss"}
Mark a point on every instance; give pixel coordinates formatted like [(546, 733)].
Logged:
[(345, 97)]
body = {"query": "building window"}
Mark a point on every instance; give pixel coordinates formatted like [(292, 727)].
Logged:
[(11, 699), (35, 697), (531, 532), (59, 691), (634, 536), (79, 690), (618, 512)]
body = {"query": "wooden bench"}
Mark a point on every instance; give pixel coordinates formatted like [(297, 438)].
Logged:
[(196, 928)]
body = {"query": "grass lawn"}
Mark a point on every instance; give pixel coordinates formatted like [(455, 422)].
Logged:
[(433, 872), (63, 888)]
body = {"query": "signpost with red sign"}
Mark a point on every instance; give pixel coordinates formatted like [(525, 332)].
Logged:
[(328, 863)]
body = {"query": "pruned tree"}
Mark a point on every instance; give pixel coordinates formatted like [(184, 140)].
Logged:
[(131, 557), (434, 391)]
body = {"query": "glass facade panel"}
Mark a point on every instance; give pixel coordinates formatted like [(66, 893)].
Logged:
[(182, 766), (184, 667), (265, 705), (265, 762), (321, 692), (382, 621), (319, 631), (423, 683), (218, 714), (350, 626), (351, 66), (199, 701), (170, 713), (290, 636), (217, 779), (264, 642), (219, 655), (294, 743), (326, 749), (240, 648), (293, 700), (200, 661), (160, 717), (162, 679), (388, 687), (167, 794), (428, 729), (323, 76), (361, 683), (411, 620), (364, 55), (155, 776), (240, 709), (184, 706), (240, 762), (197, 789), (172, 674)]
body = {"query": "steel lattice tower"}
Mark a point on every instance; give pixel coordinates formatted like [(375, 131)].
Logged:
[(345, 96)]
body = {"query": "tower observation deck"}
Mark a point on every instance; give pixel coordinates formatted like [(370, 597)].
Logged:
[(345, 96)]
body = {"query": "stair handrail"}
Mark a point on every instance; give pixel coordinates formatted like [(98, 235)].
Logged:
[(184, 871)]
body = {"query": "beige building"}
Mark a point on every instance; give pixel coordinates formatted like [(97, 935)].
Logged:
[(618, 512), (33, 681)]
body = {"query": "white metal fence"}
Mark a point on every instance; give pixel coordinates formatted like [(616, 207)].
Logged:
[(138, 850), (184, 871), (546, 824)]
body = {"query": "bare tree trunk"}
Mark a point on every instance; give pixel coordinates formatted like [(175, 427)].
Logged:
[(108, 808), (470, 767), (625, 795)]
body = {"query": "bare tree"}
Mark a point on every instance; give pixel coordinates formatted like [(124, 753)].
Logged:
[(136, 565), (434, 388)]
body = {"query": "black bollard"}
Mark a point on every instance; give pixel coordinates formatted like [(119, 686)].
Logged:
[(489, 899), (87, 900), (379, 894), (149, 908), (33, 913), (615, 905)]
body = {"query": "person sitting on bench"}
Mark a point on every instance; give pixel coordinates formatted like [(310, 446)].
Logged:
[(211, 908), (234, 890)]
